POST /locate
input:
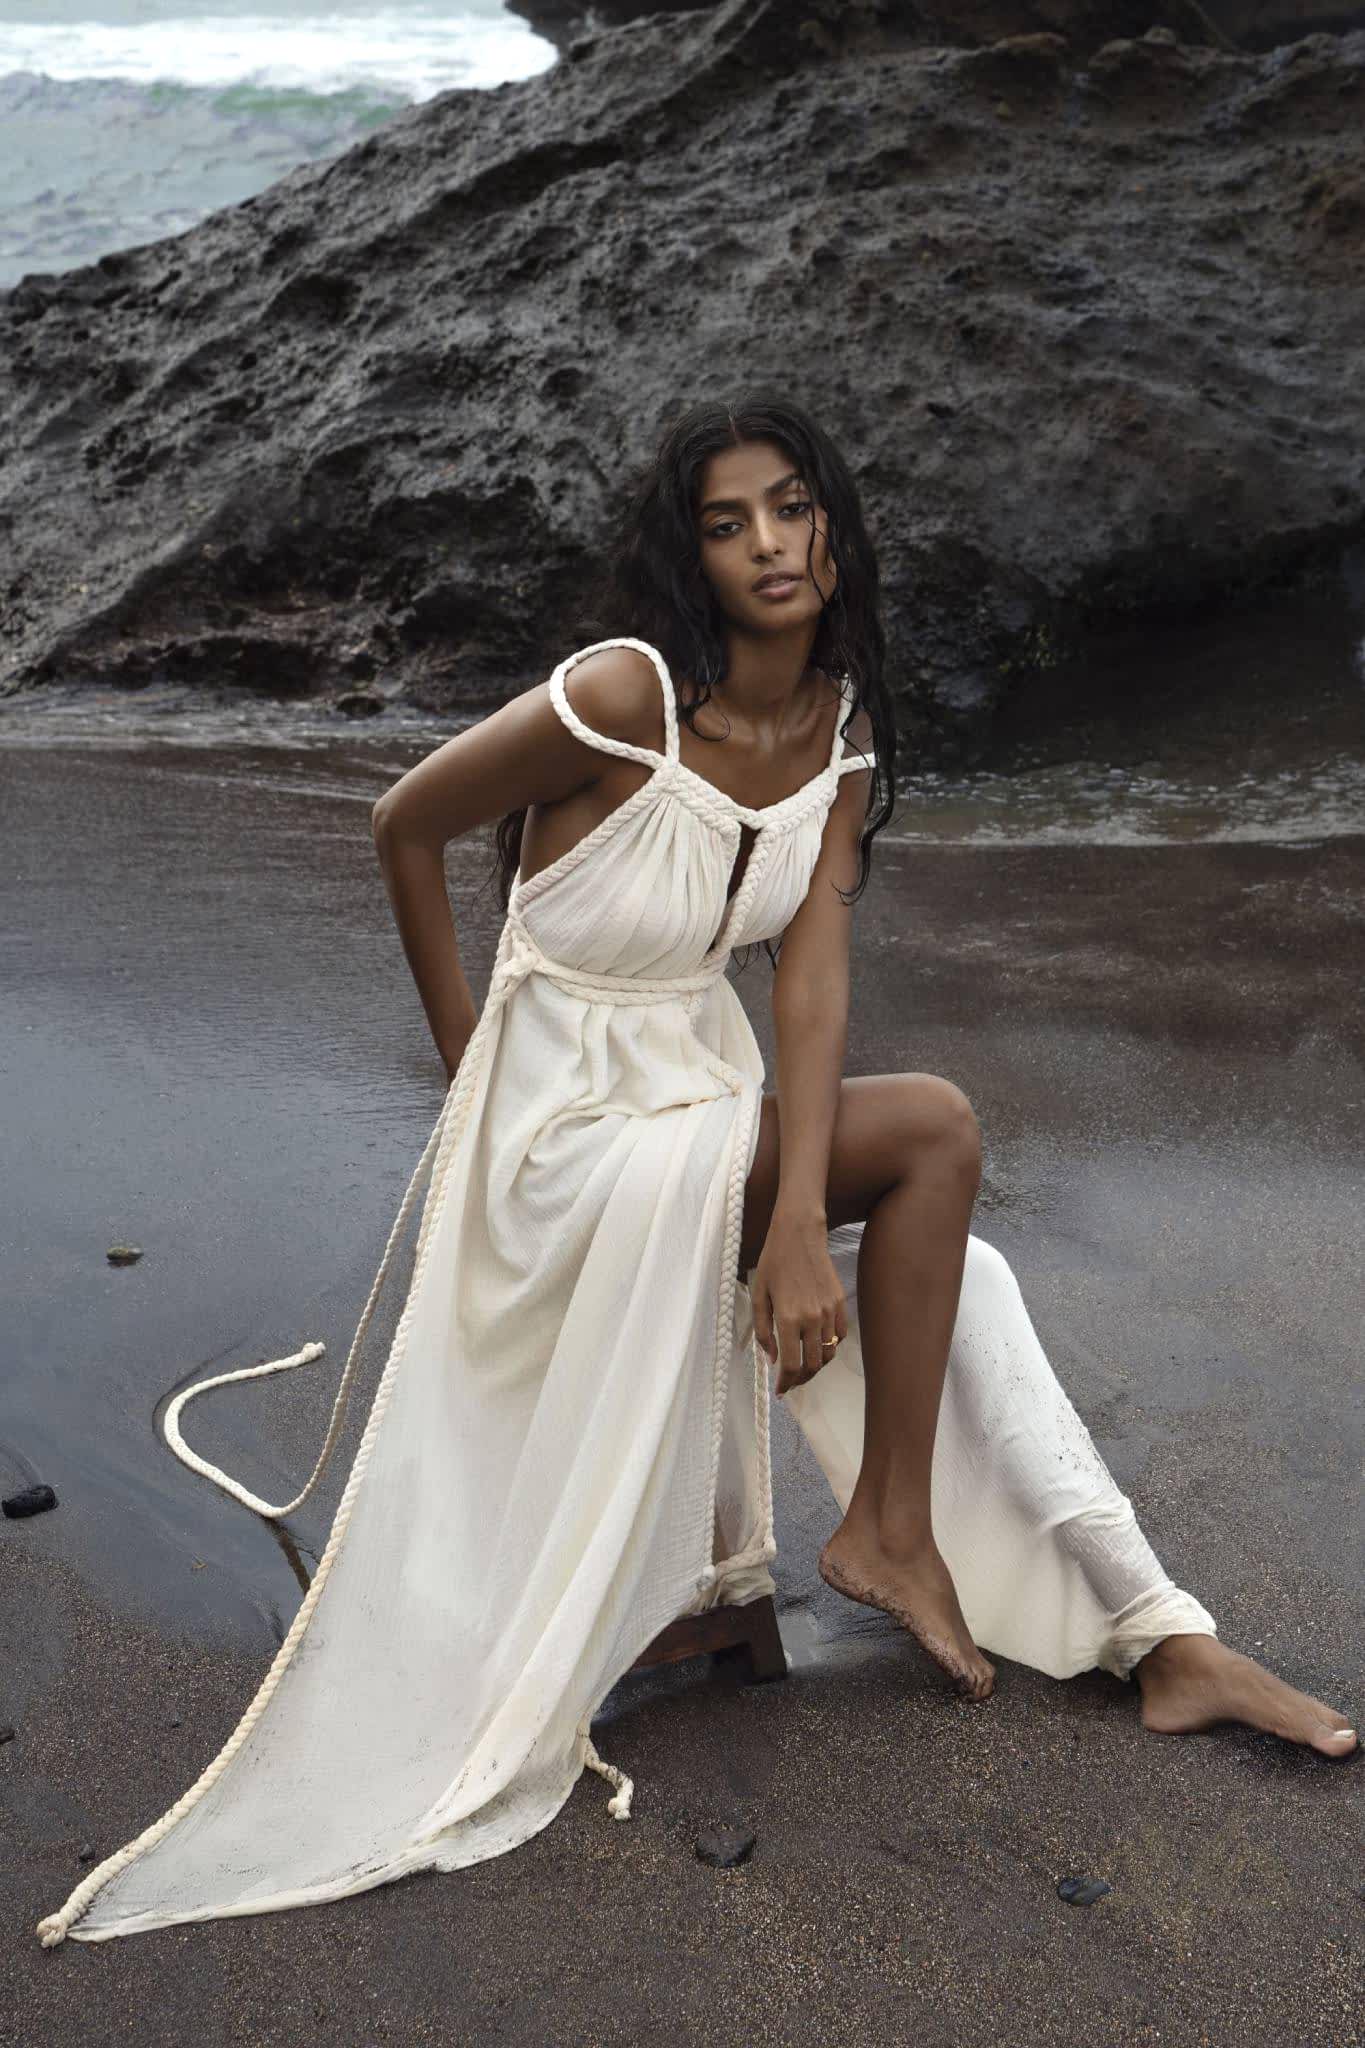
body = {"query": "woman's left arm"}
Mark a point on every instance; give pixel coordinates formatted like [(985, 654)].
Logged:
[(797, 1299)]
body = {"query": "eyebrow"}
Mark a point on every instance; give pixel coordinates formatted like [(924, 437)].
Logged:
[(793, 476)]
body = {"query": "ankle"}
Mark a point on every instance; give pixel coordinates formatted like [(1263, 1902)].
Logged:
[(901, 1537), (1173, 1653)]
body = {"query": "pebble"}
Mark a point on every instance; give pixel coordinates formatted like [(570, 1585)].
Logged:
[(7, 1733), (123, 1254), (30, 1501), (723, 1848), (1081, 1891)]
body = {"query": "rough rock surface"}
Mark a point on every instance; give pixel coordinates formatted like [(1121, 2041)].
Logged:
[(1242, 24), (1090, 332)]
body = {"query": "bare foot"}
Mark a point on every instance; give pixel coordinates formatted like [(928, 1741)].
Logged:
[(1192, 1681), (918, 1592)]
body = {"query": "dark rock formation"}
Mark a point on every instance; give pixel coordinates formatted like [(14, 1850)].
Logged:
[(970, 24), (1091, 335)]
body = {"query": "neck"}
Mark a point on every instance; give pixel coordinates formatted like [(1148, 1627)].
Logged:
[(767, 676)]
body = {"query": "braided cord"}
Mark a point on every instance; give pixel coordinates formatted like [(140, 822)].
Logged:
[(559, 697), (619, 1805)]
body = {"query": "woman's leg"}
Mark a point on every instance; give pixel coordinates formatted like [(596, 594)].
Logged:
[(904, 1163), (907, 1159)]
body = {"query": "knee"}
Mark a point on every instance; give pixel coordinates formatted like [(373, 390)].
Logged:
[(944, 1122)]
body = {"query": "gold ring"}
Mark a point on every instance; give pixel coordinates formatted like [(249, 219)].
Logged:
[(826, 1342)]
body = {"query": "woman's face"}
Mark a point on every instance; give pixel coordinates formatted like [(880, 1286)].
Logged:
[(754, 523)]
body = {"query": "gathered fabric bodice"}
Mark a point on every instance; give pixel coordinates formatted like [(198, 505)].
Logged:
[(645, 893)]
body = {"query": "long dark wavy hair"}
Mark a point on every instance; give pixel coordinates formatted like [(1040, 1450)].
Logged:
[(652, 587)]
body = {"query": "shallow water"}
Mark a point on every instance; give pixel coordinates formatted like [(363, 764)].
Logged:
[(1247, 731)]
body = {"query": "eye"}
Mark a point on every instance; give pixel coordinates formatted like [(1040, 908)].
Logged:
[(801, 505)]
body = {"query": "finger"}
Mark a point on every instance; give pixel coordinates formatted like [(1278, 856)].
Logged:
[(790, 1337), (799, 1369), (763, 1326), (789, 1360)]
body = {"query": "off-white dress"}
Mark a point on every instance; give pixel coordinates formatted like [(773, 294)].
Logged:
[(568, 1444)]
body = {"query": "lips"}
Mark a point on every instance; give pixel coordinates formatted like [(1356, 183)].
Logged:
[(775, 580)]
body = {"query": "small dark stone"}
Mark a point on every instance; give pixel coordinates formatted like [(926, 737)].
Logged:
[(723, 1848), (31, 1500), (358, 703), (7, 1733), (176, 1721), (1081, 1891), (85, 1854), (123, 1254)]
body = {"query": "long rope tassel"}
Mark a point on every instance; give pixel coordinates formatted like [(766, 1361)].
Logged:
[(170, 1426), (618, 1806)]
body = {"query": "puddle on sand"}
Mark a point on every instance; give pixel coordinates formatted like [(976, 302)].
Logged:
[(1248, 729), (809, 1646)]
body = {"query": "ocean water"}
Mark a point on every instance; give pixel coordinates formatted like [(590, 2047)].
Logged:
[(122, 121)]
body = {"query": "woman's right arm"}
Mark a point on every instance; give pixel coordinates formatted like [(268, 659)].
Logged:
[(521, 754)]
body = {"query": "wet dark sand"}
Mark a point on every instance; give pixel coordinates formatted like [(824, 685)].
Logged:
[(211, 1048)]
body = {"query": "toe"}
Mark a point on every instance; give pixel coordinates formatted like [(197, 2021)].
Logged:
[(1334, 1741)]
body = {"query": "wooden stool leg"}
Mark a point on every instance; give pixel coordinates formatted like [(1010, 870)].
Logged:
[(767, 1658), (749, 1632)]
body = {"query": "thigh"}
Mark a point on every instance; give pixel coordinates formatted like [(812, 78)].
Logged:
[(882, 1122)]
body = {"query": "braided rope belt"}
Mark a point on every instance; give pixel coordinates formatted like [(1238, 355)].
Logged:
[(520, 954)]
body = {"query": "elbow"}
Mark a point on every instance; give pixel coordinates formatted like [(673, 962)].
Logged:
[(395, 822)]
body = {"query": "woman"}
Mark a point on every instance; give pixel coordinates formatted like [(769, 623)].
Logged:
[(568, 1446)]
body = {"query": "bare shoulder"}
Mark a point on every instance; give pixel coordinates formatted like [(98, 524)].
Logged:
[(618, 692)]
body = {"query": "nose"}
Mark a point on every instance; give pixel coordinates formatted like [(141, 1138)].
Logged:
[(767, 536)]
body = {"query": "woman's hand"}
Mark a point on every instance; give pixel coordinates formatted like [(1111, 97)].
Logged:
[(797, 1300)]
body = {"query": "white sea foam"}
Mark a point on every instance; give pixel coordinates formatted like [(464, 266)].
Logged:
[(409, 53)]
